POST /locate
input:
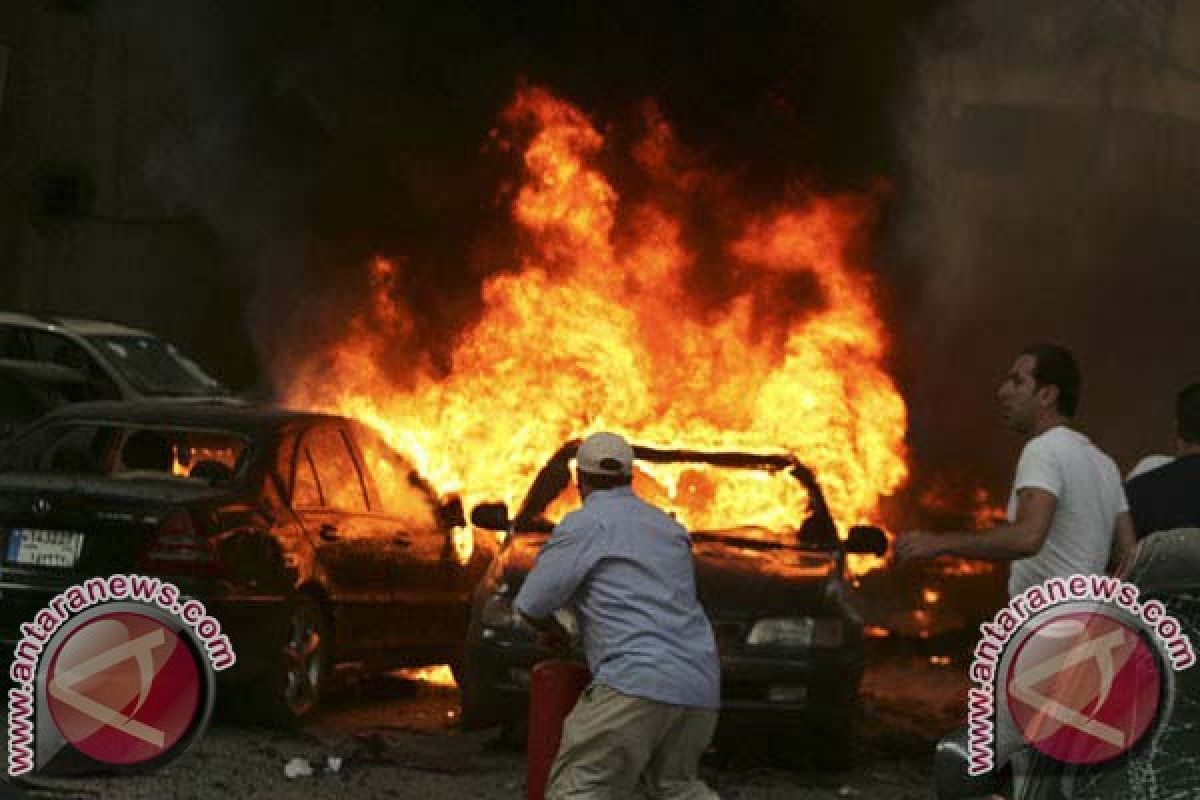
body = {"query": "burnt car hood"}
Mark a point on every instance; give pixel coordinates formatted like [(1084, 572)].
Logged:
[(734, 580)]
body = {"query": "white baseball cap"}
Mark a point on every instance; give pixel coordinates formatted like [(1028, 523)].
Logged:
[(605, 454)]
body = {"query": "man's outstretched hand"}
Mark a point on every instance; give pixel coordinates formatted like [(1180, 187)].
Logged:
[(553, 636), (916, 545)]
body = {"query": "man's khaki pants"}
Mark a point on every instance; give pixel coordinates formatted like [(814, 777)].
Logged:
[(613, 744)]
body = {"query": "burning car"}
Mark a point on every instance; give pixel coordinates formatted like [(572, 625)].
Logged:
[(770, 579), (116, 362), (310, 540)]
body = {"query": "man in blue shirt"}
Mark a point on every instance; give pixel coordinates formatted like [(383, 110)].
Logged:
[(625, 569), (1169, 497)]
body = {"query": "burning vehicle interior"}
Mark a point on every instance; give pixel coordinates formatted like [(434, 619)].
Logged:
[(132, 452), (770, 568)]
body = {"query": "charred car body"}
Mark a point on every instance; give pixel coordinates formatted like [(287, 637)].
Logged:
[(791, 645), (307, 538)]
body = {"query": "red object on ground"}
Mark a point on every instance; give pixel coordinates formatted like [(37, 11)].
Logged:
[(555, 686)]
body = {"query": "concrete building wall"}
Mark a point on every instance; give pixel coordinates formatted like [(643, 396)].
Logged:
[(1053, 151), (81, 99)]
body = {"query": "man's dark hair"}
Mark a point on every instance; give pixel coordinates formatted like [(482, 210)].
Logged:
[(1055, 366), (596, 481), (1187, 412)]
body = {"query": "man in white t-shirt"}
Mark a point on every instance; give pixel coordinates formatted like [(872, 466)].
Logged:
[(1067, 514)]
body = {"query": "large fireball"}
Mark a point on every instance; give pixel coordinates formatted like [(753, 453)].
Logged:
[(597, 326)]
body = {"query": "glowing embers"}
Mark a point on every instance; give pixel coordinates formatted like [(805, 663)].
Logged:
[(439, 675)]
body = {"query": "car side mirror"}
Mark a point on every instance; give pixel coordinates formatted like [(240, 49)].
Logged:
[(867, 539), (492, 516), (451, 513)]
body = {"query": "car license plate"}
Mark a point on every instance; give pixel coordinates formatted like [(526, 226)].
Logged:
[(42, 548)]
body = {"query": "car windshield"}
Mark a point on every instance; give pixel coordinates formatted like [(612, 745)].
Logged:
[(124, 450), (155, 367), (765, 504)]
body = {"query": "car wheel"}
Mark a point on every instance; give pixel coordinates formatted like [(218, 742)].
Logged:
[(469, 695), (294, 687)]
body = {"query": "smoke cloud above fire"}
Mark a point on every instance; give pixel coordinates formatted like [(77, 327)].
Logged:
[(1031, 170), (1050, 189)]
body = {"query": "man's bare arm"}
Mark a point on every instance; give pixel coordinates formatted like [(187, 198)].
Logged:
[(1020, 539), (1125, 545)]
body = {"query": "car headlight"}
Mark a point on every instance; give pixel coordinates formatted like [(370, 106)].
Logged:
[(499, 612), (797, 632)]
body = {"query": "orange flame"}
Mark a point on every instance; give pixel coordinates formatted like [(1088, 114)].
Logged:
[(439, 675), (598, 327)]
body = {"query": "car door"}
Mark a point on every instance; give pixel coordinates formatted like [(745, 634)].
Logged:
[(330, 499), (405, 517)]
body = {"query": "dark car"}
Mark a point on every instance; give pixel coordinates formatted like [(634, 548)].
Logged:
[(116, 361), (311, 542), (772, 585), (1164, 764), (29, 389)]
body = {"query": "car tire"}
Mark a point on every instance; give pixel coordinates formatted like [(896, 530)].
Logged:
[(473, 714), (294, 686)]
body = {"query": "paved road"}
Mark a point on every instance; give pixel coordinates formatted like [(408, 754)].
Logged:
[(398, 738)]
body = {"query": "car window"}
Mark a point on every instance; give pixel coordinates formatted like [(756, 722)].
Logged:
[(27, 344), (13, 343), (18, 401), (306, 492), (124, 450), (757, 503), (58, 349), (337, 474), (155, 367), (402, 491)]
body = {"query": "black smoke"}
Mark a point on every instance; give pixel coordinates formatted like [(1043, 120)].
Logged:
[(317, 138)]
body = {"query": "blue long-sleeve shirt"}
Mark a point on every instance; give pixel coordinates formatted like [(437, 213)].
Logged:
[(625, 569)]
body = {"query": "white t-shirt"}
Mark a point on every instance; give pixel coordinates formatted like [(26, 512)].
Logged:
[(1088, 486)]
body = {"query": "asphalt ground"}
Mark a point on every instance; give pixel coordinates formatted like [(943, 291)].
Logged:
[(394, 737)]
